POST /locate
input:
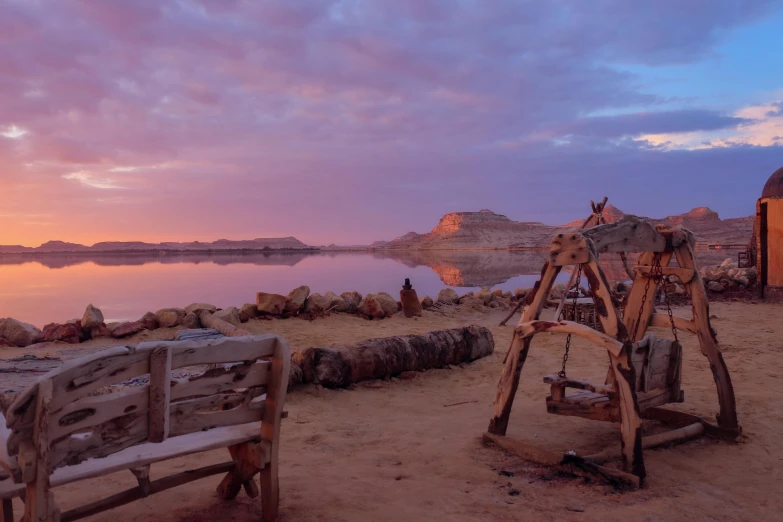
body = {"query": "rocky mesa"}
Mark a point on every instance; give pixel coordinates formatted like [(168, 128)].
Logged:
[(487, 230)]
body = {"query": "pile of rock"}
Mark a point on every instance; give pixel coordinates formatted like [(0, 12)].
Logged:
[(727, 276)]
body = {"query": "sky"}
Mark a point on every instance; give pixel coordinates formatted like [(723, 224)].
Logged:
[(350, 121)]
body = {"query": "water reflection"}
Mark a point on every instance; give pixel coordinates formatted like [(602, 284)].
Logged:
[(56, 287)]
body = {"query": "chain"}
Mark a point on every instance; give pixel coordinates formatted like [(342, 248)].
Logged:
[(669, 307), (653, 274), (562, 372)]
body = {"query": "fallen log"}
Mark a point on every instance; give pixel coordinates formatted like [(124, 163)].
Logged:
[(210, 321), (383, 358)]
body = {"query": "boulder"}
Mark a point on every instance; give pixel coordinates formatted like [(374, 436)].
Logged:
[(557, 291), (248, 312), (714, 286), (150, 321), (229, 315), (295, 302), (270, 304), (68, 332), (493, 304), (507, 295), (83, 334), (727, 264), (485, 295), (472, 303), (196, 307), (352, 299), (388, 303), (191, 320), (426, 302), (498, 293), (5, 343), (168, 317), (127, 328), (18, 333), (742, 280), (92, 317), (409, 302), (316, 304), (448, 296), (99, 331), (371, 308), (519, 293), (336, 302)]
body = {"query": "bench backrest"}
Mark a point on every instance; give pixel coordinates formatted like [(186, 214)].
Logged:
[(657, 363), (70, 414)]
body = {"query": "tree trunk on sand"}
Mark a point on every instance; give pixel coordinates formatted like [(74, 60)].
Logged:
[(389, 356)]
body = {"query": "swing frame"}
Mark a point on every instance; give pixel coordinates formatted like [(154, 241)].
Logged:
[(582, 248)]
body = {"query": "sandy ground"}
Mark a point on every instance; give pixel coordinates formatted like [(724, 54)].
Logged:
[(411, 449)]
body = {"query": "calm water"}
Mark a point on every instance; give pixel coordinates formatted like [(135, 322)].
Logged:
[(55, 288)]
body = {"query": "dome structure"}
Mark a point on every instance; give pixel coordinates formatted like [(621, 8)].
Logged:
[(773, 188)]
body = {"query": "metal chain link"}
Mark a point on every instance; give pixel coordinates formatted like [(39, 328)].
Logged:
[(562, 372)]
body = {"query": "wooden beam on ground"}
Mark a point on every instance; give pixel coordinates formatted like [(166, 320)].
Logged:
[(523, 450), (229, 330), (615, 477), (531, 328), (683, 434)]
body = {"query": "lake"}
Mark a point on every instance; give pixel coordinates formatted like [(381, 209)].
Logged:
[(45, 288)]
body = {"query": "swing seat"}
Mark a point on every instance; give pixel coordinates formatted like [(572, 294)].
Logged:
[(657, 365)]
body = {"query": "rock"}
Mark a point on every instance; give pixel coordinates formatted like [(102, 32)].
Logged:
[(472, 303), (191, 320), (448, 296), (150, 321), (371, 308), (727, 264), (168, 317), (409, 302), (99, 331), (557, 291), (407, 376), (498, 293), (388, 303), (426, 302), (295, 302), (507, 295), (272, 304), (352, 299), (493, 304), (336, 302), (68, 332), (248, 312), (92, 317), (485, 295), (127, 328), (229, 315), (520, 293), (316, 304), (742, 280), (18, 333), (714, 286), (196, 307), (5, 343)]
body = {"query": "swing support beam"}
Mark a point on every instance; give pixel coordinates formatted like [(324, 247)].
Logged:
[(659, 243)]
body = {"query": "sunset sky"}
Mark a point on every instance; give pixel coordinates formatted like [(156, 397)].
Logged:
[(349, 121)]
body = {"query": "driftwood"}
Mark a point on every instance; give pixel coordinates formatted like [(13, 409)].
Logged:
[(210, 321), (389, 356)]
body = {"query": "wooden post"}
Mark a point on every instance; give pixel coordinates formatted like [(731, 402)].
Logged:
[(7, 514), (517, 353), (270, 429), (160, 394), (707, 341), (39, 500)]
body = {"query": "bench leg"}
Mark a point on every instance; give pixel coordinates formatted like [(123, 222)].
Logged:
[(7, 514), (270, 492), (241, 476)]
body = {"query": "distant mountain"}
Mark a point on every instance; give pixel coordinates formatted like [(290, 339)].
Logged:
[(486, 230), (262, 243)]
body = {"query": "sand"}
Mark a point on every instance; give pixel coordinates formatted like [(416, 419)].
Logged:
[(411, 449)]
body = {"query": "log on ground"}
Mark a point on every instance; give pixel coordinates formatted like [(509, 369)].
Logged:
[(383, 358)]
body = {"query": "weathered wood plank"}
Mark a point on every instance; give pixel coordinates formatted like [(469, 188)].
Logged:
[(159, 393), (630, 234), (532, 328)]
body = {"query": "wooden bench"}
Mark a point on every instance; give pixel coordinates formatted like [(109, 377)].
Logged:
[(68, 426)]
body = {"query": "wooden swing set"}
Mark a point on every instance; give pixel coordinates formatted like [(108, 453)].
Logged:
[(645, 372)]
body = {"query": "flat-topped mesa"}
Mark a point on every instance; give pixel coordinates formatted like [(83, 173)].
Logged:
[(696, 218), (457, 221)]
